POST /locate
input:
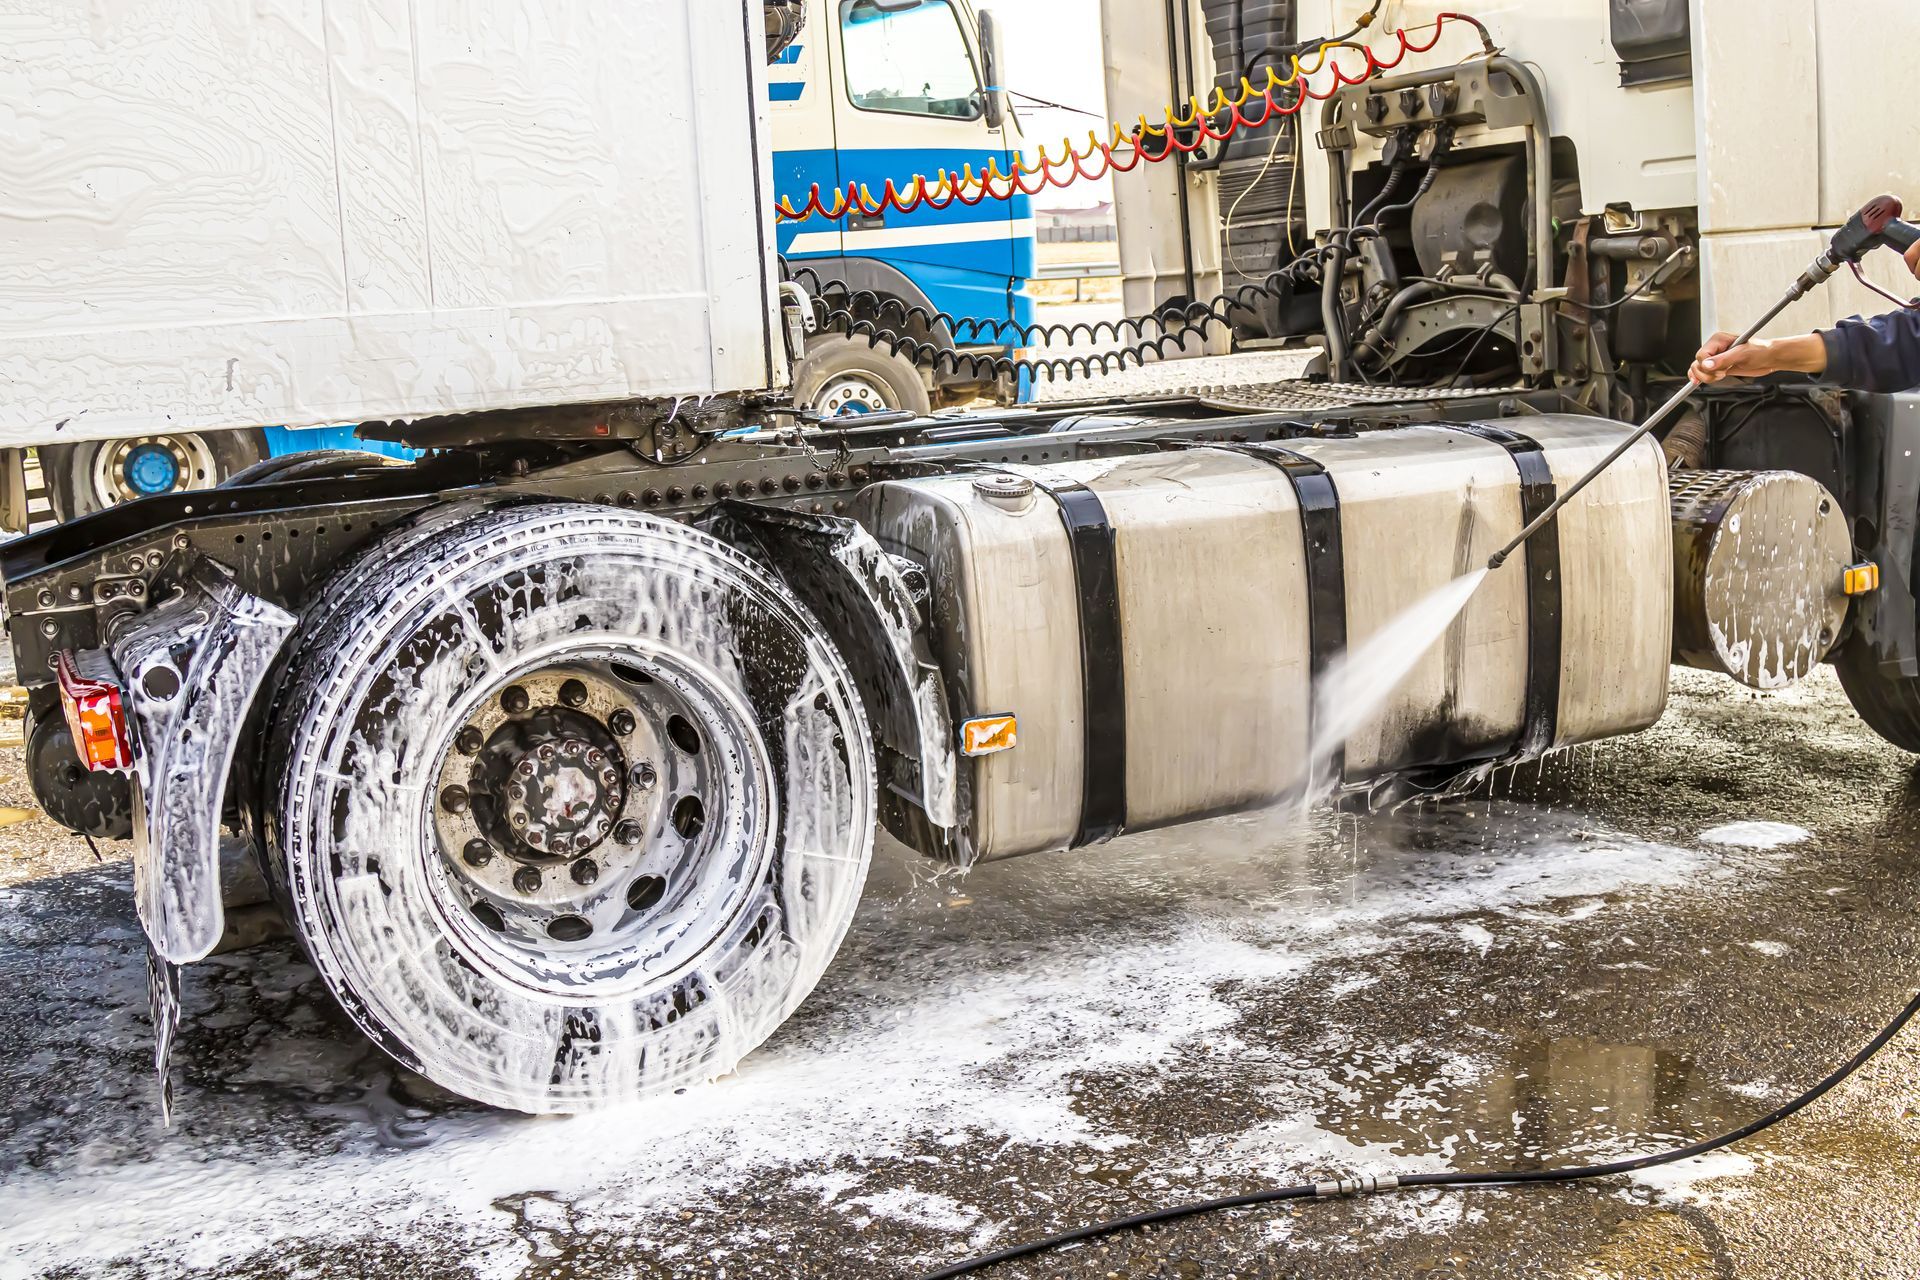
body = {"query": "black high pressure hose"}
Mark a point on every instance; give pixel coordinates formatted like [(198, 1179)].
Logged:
[(1359, 1186)]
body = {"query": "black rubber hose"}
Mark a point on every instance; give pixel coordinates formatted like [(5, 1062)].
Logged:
[(865, 314), (1367, 1186)]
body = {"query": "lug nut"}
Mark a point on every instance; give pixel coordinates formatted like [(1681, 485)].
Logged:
[(47, 598), (608, 778), (536, 838), (546, 753), (527, 879), (629, 831), (454, 799), (519, 819), (642, 776), (585, 871), (478, 853), (516, 793), (515, 700), (573, 694), (470, 741), (621, 722)]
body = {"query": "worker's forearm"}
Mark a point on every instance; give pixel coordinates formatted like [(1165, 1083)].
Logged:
[(1804, 354)]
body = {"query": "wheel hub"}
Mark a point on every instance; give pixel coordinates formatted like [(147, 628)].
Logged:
[(561, 797), (125, 470), (575, 810), (851, 395)]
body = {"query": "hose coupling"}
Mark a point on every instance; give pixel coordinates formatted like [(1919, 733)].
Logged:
[(1359, 1185)]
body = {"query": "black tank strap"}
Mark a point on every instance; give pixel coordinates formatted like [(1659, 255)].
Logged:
[(1319, 500), (1103, 808), (1538, 491)]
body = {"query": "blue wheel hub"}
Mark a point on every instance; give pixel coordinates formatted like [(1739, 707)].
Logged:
[(150, 469)]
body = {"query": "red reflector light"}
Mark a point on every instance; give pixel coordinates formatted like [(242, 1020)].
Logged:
[(96, 717)]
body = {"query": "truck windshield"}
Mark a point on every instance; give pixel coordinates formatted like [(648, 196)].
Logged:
[(910, 57)]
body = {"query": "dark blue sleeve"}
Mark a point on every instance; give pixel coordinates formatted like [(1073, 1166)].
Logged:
[(1881, 354)]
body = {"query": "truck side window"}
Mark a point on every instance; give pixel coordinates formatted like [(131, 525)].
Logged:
[(909, 57)]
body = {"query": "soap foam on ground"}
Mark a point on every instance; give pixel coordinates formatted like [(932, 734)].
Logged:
[(904, 1049)]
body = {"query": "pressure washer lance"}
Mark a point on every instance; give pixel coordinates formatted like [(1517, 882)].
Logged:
[(1877, 225), (1873, 227)]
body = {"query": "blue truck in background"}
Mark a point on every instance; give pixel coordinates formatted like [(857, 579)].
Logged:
[(874, 90), (870, 90)]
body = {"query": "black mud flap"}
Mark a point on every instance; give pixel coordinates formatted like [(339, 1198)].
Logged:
[(189, 669)]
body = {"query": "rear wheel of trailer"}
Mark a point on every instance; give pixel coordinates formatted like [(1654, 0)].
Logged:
[(97, 474), (568, 804)]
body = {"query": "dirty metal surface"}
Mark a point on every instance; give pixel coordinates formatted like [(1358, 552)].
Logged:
[(1623, 948), (1282, 397)]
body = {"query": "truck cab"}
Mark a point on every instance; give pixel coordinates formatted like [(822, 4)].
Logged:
[(877, 90)]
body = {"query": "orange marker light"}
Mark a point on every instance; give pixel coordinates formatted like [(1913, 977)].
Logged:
[(989, 735), (96, 717), (1863, 579)]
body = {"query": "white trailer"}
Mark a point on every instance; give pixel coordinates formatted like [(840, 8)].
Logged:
[(564, 747), (221, 218)]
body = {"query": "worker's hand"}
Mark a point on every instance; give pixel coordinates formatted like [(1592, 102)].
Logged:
[(1720, 360)]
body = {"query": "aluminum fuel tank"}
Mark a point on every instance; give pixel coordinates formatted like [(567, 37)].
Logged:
[(1156, 622)]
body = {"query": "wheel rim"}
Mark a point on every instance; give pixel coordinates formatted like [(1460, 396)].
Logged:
[(852, 395), (144, 467), (598, 820)]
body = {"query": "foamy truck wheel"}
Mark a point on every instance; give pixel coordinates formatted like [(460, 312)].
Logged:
[(569, 805)]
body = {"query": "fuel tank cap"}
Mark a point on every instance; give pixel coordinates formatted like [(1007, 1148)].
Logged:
[(1006, 491)]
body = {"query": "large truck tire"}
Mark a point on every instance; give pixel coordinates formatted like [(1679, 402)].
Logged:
[(569, 805), (96, 474), (1889, 704), (847, 376)]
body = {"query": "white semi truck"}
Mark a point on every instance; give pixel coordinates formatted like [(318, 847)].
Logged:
[(564, 747)]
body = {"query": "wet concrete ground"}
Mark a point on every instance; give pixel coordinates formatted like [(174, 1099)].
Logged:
[(1586, 964)]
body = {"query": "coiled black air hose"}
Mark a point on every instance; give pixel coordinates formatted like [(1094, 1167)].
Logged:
[(1372, 1185), (929, 338)]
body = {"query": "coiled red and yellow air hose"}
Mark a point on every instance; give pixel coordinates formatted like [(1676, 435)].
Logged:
[(1181, 132)]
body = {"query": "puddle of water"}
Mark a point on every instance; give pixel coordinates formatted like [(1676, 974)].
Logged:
[(1546, 1101)]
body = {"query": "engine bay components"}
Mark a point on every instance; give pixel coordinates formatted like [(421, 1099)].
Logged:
[(1157, 622), (1760, 565)]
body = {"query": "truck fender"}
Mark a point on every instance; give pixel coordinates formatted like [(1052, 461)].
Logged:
[(869, 606), (189, 670)]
